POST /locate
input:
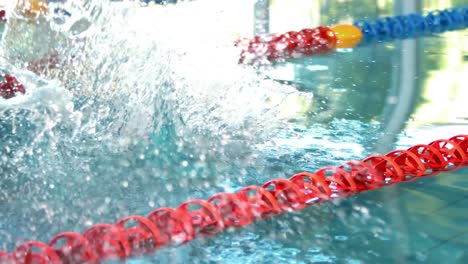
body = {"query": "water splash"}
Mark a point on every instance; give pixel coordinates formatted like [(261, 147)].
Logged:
[(137, 106)]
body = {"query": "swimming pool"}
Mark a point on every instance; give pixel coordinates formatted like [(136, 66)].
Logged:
[(101, 153)]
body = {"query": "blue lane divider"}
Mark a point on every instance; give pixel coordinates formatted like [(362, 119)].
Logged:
[(412, 25)]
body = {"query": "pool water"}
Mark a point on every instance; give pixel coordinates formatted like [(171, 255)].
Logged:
[(149, 108)]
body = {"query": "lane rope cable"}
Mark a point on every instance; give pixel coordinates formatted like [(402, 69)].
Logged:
[(137, 235), (322, 40)]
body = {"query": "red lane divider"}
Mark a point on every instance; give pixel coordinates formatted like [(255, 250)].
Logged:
[(306, 42), (2, 16), (9, 86), (137, 235)]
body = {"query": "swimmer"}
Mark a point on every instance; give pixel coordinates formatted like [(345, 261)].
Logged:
[(29, 41)]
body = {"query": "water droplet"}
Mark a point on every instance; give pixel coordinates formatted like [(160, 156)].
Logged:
[(341, 238)]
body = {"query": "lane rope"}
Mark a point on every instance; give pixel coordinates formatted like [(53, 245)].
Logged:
[(137, 235), (321, 40)]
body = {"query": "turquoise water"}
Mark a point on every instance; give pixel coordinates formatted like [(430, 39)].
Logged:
[(136, 120)]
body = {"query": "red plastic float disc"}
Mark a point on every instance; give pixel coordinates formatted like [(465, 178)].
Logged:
[(168, 226), (9, 86)]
